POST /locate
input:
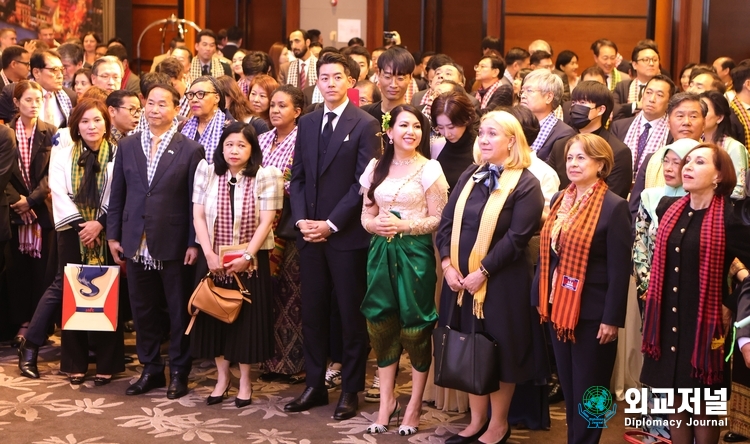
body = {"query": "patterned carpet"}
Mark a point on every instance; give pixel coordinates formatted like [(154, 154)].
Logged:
[(52, 411)]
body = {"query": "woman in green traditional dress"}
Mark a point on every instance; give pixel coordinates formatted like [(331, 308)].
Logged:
[(404, 195)]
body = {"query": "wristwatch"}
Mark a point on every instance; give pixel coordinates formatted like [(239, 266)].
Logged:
[(248, 257)]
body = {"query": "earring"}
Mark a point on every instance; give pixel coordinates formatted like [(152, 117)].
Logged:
[(716, 184)]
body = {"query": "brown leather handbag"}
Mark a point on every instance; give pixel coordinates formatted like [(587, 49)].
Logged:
[(223, 304)]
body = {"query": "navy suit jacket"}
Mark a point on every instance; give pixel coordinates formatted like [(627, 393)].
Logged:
[(163, 209), (330, 191), (38, 195), (605, 289), (559, 131), (8, 158)]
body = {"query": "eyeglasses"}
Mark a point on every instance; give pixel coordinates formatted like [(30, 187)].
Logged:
[(364, 101), (648, 60), (529, 91), (108, 77), (478, 67), (135, 112), (198, 94), (56, 69), (22, 62)]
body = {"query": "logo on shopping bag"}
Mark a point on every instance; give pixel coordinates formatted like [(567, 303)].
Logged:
[(597, 407)]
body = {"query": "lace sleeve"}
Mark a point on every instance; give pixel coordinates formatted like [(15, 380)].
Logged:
[(643, 249), (437, 198), (367, 211)]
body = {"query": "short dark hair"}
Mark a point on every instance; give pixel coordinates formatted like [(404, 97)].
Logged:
[(376, 97), (596, 93), (38, 58), (331, 58), (115, 98), (716, 83), (438, 60), (494, 43), (314, 34), (117, 40), (564, 58), (171, 67), (666, 79), (294, 93), (165, 86), (256, 62), (256, 155), (356, 50), (175, 40), (594, 71), (71, 52), (643, 45), (538, 56), (398, 59), (24, 85), (456, 107), (596, 46), (305, 34), (527, 119), (219, 90), (93, 34), (234, 33), (740, 74), (677, 99), (497, 63), (149, 79), (84, 71), (118, 51), (723, 164), (516, 54), (11, 54), (76, 114), (205, 32), (354, 70), (356, 41)]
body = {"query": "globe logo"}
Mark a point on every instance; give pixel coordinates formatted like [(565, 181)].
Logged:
[(597, 407)]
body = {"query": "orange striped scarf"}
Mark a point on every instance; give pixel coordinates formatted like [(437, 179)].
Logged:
[(573, 244)]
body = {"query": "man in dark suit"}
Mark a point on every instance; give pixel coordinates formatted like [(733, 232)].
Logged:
[(541, 93), (628, 102), (233, 42), (15, 65), (47, 69), (150, 225), (334, 146), (592, 103)]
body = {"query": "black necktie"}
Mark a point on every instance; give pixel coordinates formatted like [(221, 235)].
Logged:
[(641, 87), (325, 138), (206, 70), (641, 145)]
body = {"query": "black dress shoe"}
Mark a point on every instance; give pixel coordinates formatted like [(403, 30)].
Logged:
[(458, 439), (310, 398), (347, 406), (77, 380), (27, 355), (17, 341), (99, 381), (734, 437), (146, 383), (177, 385)]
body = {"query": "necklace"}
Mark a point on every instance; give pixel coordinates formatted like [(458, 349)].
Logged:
[(408, 161)]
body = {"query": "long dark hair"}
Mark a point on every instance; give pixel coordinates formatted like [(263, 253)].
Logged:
[(721, 109), (256, 155), (384, 164)]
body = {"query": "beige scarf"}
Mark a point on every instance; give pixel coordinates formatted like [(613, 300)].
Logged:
[(508, 181)]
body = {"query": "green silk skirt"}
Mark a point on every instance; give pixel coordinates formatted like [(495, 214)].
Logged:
[(400, 301)]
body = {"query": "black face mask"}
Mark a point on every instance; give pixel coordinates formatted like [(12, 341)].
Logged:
[(579, 116)]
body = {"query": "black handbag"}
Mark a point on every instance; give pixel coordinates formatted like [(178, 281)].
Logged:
[(285, 228), (466, 361)]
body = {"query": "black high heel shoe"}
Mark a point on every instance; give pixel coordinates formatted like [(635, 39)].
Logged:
[(239, 403), (211, 400), (504, 439), (458, 439)]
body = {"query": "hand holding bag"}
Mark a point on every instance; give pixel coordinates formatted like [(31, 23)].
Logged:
[(466, 361), (223, 304)]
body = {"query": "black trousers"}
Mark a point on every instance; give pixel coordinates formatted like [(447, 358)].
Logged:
[(322, 269), (150, 291), (28, 277), (581, 365), (75, 344)]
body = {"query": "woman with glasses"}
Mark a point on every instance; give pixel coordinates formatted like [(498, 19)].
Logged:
[(30, 207), (278, 145), (261, 89), (207, 104)]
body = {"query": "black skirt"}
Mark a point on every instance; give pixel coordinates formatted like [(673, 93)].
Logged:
[(249, 339)]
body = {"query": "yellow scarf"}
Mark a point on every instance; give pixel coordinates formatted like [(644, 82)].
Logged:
[(508, 181)]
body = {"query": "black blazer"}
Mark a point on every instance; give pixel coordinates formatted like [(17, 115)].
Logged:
[(330, 191), (8, 109), (605, 289), (38, 195), (163, 209), (620, 128), (622, 109), (559, 131), (737, 130), (8, 158), (619, 178)]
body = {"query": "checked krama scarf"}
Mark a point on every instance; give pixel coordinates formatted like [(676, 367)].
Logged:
[(243, 216), (29, 235), (742, 115), (708, 350), (211, 134), (569, 230)]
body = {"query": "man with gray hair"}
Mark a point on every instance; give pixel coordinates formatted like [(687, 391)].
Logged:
[(72, 60), (541, 92), (106, 73)]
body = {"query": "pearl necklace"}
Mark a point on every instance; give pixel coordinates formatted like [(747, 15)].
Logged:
[(408, 161)]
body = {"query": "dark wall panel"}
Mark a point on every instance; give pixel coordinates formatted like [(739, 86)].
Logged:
[(725, 15), (460, 32), (404, 17)]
